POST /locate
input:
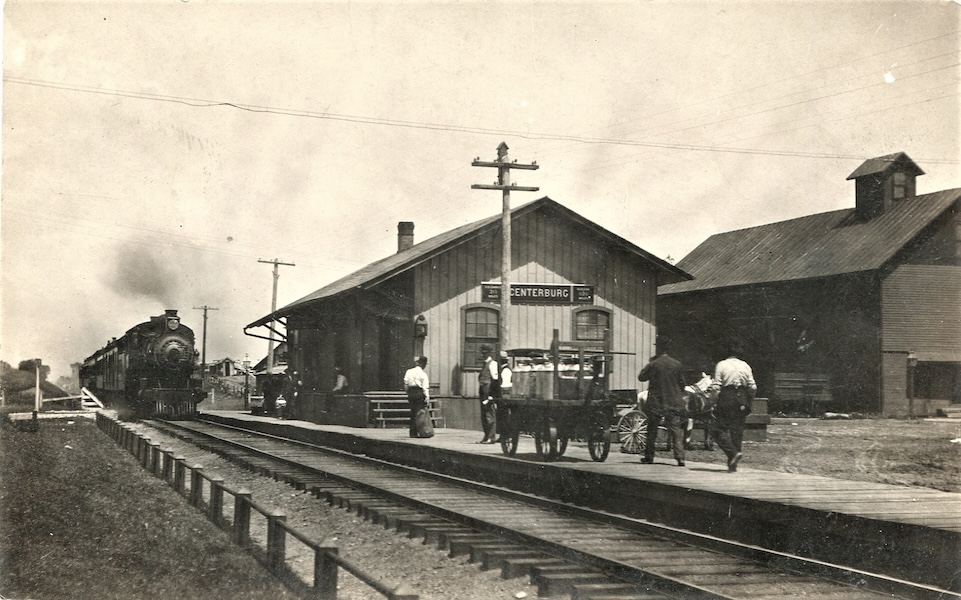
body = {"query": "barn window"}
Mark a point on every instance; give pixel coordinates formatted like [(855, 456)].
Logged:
[(900, 185), (481, 327), (591, 324)]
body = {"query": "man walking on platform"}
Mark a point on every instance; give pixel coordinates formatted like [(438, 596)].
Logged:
[(735, 379), (665, 401)]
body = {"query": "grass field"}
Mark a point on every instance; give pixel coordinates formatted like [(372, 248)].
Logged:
[(80, 519)]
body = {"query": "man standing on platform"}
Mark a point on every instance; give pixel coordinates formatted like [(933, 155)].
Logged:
[(418, 397), (735, 379), (665, 401), (487, 375)]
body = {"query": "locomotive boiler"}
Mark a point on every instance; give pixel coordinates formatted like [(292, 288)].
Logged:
[(151, 371)]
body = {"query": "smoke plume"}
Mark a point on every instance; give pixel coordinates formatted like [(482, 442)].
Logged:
[(141, 272)]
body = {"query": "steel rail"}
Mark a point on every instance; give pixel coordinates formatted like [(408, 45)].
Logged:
[(857, 581)]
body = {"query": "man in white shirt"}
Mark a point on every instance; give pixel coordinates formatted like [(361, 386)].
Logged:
[(488, 375), (417, 385), (735, 381)]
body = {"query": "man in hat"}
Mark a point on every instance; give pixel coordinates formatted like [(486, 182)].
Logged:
[(417, 385), (665, 401), (487, 375)]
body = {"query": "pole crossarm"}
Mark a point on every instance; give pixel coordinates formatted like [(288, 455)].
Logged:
[(509, 188), (505, 165)]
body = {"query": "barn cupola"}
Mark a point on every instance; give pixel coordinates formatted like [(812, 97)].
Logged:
[(881, 182)]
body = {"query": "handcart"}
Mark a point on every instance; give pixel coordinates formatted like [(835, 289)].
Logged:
[(559, 395)]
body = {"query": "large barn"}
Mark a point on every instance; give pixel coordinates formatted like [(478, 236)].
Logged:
[(849, 310), (440, 298)]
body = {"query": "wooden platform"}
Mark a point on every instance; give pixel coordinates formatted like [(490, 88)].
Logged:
[(827, 519)]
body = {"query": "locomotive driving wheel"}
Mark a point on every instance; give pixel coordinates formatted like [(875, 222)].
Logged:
[(598, 441), (632, 431), (545, 439)]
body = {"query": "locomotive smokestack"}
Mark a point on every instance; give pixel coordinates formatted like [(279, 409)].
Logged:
[(171, 312), (405, 235)]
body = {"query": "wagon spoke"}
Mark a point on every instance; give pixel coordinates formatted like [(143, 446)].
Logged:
[(632, 432)]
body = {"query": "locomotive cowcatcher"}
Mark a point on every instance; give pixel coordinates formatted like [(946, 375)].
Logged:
[(151, 371)]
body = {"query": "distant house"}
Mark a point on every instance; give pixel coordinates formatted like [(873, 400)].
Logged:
[(279, 362), (225, 367), (849, 310)]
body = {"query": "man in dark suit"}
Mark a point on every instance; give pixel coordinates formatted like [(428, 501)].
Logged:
[(665, 401)]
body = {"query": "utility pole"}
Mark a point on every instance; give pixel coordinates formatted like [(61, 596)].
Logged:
[(503, 183), (203, 351), (38, 395), (273, 309)]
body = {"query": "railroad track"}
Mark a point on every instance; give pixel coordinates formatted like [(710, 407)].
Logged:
[(566, 550)]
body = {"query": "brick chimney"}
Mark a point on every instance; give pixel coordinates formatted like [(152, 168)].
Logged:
[(405, 235)]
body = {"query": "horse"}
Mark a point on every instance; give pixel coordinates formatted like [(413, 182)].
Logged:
[(700, 399)]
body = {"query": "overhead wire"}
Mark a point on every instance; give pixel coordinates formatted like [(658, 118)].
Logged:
[(426, 125), (820, 123), (647, 117), (161, 238), (532, 135)]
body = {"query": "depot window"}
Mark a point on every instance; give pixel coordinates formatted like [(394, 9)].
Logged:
[(481, 327), (591, 324)]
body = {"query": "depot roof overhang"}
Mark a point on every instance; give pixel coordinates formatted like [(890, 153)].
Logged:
[(382, 270)]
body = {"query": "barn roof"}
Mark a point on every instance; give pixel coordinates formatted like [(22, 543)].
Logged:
[(381, 270), (884, 163), (815, 246)]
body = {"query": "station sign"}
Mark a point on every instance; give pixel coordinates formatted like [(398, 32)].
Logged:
[(540, 293)]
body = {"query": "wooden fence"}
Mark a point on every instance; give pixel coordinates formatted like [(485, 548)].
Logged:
[(191, 482)]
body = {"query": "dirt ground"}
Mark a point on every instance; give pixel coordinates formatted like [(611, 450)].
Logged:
[(892, 451)]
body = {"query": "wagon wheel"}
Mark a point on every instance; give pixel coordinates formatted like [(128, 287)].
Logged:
[(509, 442), (564, 435), (598, 442), (510, 434), (632, 432), (545, 439)]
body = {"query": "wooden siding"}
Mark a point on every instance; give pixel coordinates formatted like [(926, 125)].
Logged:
[(544, 250), (921, 311)]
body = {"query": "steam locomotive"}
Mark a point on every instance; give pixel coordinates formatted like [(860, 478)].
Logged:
[(151, 371)]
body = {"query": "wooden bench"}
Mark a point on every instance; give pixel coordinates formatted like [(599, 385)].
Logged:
[(808, 393), (391, 409)]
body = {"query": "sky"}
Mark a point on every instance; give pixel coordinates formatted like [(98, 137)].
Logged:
[(154, 153)]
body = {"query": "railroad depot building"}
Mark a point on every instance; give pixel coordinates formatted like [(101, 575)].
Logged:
[(849, 310), (441, 298)]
